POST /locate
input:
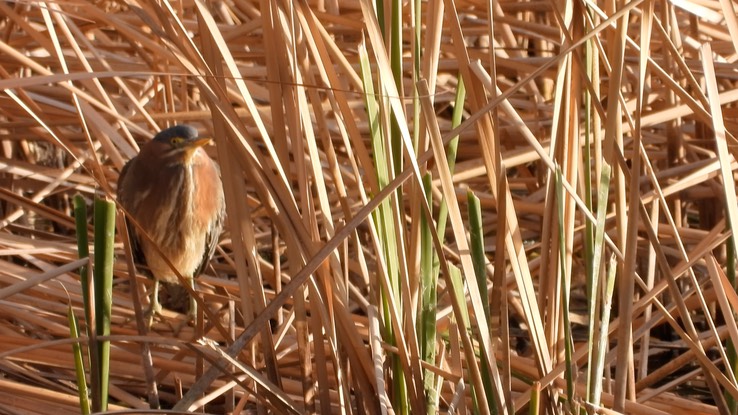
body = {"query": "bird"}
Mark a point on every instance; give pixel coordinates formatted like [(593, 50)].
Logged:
[(173, 190)]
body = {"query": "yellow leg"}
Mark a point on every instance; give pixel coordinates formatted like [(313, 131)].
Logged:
[(192, 313), (154, 306)]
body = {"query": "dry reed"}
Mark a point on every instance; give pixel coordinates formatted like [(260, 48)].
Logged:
[(632, 103)]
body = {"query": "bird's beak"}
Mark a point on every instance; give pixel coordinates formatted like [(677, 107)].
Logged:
[(192, 147), (200, 142)]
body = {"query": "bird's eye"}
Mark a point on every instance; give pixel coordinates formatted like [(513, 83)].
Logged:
[(176, 140)]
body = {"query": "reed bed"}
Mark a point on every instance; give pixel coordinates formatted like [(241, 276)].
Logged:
[(433, 206)]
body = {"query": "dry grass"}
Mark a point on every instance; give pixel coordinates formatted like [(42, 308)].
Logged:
[(316, 284)]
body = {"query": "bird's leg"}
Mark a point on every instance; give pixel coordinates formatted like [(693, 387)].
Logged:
[(154, 305), (192, 312)]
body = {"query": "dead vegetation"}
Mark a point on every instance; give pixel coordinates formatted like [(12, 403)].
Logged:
[(599, 138)]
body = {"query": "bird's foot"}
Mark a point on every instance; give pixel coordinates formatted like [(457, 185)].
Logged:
[(190, 317), (153, 311), (177, 325)]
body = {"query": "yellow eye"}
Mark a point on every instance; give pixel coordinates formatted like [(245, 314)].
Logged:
[(176, 140)]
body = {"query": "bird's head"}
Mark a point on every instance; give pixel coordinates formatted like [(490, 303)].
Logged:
[(179, 143)]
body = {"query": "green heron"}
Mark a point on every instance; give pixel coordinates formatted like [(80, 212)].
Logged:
[(172, 189)]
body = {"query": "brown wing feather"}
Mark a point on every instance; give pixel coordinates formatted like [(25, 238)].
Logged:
[(135, 243), (211, 242), (213, 235)]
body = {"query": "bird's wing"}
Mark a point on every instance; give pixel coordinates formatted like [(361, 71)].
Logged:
[(211, 240), (136, 249), (213, 234), (135, 242)]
